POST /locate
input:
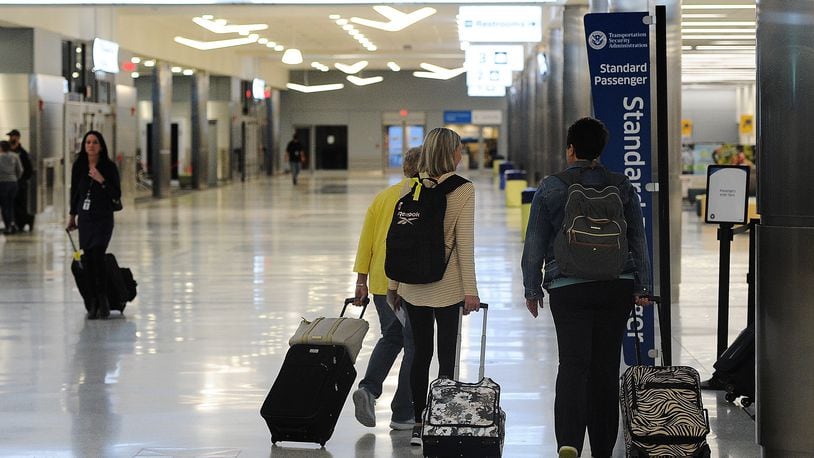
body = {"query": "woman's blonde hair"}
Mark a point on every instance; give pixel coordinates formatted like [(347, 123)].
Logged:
[(438, 152)]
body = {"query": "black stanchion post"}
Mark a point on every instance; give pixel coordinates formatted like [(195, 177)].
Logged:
[(665, 280), (750, 276), (725, 237)]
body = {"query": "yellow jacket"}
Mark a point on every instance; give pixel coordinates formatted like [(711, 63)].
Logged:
[(371, 250)]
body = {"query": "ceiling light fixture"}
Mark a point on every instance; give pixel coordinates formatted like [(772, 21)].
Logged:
[(352, 69), (292, 56), (221, 26), (717, 30), (334, 17), (719, 24), (176, 69), (438, 73), (397, 20), (135, 60), (342, 22), (279, 48), (263, 41), (393, 66), (364, 81), (134, 75), (719, 37), (149, 63), (188, 72), (718, 7), (209, 45), (318, 88)]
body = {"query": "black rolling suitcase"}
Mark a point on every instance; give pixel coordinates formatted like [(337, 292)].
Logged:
[(464, 419), (735, 369), (121, 287), (308, 395), (662, 411)]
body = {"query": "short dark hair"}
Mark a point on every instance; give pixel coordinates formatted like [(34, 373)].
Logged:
[(5, 146), (589, 137)]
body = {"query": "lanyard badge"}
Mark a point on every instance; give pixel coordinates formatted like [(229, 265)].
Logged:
[(86, 204)]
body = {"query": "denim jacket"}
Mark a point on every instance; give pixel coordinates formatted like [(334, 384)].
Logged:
[(545, 220)]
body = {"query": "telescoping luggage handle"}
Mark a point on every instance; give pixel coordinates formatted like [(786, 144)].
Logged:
[(77, 255), (349, 301), (485, 307), (656, 302)]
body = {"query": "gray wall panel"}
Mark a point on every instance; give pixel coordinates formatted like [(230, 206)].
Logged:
[(712, 112), (17, 50)]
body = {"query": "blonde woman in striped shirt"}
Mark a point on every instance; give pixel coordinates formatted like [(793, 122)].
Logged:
[(439, 302)]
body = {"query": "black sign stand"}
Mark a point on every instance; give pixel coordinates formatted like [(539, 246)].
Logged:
[(725, 234)]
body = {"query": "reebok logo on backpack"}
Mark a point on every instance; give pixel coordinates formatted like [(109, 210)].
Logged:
[(415, 251), (592, 242)]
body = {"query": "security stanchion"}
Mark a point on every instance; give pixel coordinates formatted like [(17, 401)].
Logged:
[(515, 184), (525, 209), (496, 167), (502, 168)]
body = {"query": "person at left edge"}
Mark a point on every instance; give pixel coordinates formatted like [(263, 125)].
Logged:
[(21, 215), (94, 186)]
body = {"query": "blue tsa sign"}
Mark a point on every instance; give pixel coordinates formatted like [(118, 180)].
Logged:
[(619, 61), (458, 117)]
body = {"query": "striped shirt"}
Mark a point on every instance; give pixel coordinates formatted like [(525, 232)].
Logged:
[(459, 238)]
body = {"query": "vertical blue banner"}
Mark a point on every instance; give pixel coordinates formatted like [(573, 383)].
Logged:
[(619, 61)]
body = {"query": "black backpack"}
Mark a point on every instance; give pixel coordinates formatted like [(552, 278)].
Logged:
[(415, 241), (592, 242)]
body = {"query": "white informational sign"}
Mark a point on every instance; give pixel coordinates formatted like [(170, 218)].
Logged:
[(495, 56), (727, 194), (478, 76), (500, 24), (258, 89), (486, 90), (487, 117), (105, 56)]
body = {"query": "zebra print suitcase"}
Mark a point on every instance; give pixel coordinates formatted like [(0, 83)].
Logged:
[(662, 412)]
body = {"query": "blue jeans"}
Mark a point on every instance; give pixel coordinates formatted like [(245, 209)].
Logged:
[(295, 171), (394, 338)]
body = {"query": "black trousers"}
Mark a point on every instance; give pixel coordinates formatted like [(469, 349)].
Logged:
[(94, 238), (421, 320), (590, 322)]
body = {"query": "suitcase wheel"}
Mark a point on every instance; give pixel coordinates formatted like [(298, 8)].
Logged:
[(730, 397), (746, 401)]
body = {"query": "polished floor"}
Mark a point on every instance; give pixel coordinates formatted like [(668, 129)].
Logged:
[(224, 277)]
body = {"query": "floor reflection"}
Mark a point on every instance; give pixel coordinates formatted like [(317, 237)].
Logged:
[(95, 424)]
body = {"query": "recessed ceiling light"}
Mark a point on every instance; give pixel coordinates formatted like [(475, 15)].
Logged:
[(354, 33), (149, 63), (393, 66), (176, 69), (271, 44), (371, 48), (334, 17), (263, 41), (135, 60), (347, 27), (342, 21), (188, 72), (134, 75), (279, 48)]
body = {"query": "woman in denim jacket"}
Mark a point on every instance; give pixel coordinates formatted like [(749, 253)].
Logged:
[(589, 316)]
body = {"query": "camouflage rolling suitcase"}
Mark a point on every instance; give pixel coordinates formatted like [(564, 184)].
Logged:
[(464, 419)]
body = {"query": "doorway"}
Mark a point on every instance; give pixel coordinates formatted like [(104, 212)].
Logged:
[(173, 150), (304, 136), (331, 150), (398, 139)]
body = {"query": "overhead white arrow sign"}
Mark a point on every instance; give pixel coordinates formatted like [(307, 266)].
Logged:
[(398, 20)]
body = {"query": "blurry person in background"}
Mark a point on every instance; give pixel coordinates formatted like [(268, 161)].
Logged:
[(10, 172)]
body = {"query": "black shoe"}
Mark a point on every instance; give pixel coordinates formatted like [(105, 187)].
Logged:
[(104, 307)]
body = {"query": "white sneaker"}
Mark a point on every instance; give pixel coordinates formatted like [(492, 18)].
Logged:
[(365, 404), (416, 439), (402, 425), (567, 452)]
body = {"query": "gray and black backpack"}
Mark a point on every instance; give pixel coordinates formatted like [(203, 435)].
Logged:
[(592, 242)]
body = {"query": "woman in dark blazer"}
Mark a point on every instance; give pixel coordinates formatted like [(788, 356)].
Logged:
[(94, 187)]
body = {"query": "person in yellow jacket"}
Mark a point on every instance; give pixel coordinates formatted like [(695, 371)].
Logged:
[(396, 332)]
